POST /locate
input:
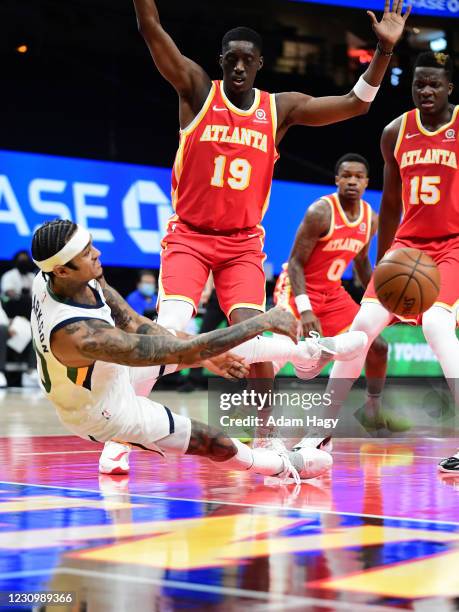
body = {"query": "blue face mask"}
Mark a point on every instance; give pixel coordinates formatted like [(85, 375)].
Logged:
[(147, 289)]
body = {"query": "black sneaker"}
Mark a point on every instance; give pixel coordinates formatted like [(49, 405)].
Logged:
[(450, 465)]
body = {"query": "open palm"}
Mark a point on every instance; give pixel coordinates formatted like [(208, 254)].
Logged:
[(390, 29)]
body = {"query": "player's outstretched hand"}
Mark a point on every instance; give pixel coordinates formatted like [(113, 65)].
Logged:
[(283, 322), (390, 29), (227, 365), (309, 322)]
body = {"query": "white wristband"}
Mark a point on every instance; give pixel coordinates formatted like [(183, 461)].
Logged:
[(364, 91), (302, 303)]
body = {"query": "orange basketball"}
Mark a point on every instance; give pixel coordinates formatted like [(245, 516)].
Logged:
[(407, 282)]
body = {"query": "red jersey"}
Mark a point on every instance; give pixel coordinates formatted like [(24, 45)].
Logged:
[(342, 243), (430, 179), (221, 179)]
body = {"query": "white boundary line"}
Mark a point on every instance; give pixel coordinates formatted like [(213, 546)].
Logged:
[(219, 502), (290, 600)]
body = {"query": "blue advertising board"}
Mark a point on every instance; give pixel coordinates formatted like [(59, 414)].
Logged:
[(435, 8), (125, 206)]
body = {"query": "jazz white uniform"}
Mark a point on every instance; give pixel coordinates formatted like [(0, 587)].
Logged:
[(104, 401)]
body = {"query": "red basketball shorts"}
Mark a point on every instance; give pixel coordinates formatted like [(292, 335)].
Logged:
[(236, 261), (335, 309), (445, 254)]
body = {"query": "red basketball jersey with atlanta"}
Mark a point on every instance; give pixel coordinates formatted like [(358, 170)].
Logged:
[(221, 180)]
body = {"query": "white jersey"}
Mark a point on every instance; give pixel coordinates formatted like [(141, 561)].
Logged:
[(92, 401)]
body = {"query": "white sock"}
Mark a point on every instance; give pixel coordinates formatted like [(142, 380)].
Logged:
[(175, 314), (439, 327), (258, 460), (372, 318)]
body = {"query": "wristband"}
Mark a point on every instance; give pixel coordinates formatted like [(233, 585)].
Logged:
[(302, 303), (364, 91), (383, 51)]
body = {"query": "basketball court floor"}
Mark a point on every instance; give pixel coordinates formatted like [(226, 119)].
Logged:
[(380, 533)]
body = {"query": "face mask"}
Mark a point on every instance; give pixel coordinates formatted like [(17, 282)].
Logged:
[(147, 289), (24, 266)]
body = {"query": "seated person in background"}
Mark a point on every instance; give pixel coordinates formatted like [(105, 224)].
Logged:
[(16, 285), (16, 291), (143, 299)]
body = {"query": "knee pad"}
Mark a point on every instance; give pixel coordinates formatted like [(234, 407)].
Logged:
[(175, 314)]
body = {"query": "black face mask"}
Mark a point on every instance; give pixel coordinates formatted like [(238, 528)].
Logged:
[(24, 266)]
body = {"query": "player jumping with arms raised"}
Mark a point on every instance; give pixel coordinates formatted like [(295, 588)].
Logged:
[(223, 169)]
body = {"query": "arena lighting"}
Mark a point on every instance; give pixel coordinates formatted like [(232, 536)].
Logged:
[(22, 49), (395, 76), (363, 55), (438, 44)]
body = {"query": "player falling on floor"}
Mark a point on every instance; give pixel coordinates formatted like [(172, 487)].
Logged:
[(336, 230), (224, 165), (421, 182), (98, 359)]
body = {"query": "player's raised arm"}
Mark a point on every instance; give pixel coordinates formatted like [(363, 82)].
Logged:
[(391, 202), (188, 78), (316, 223), (362, 264), (300, 109)]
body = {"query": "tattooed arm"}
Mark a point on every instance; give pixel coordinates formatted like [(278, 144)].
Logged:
[(84, 342), (126, 318)]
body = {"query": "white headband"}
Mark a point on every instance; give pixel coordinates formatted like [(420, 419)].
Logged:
[(71, 249)]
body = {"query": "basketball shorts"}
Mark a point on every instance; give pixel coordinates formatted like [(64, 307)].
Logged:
[(335, 309), (127, 417), (445, 254), (236, 261)]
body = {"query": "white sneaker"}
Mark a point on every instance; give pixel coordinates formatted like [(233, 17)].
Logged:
[(325, 444), (289, 473), (114, 458), (3, 381), (305, 463), (343, 347), (312, 462), (316, 462)]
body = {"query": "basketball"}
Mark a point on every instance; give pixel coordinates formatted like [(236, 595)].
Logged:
[(407, 282)]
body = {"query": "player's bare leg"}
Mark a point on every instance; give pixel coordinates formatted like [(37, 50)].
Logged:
[(373, 414), (376, 367)]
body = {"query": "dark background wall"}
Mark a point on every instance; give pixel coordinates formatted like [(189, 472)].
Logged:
[(87, 87)]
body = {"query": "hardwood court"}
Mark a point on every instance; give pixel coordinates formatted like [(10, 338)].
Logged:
[(380, 533)]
